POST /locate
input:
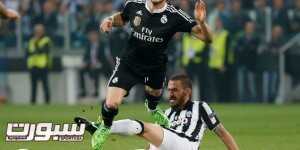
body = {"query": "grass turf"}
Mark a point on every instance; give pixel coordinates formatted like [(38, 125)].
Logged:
[(255, 127)]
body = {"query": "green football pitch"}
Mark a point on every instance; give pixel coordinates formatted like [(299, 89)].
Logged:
[(255, 127)]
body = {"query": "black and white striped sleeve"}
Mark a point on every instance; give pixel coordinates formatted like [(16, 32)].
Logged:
[(185, 22), (209, 116)]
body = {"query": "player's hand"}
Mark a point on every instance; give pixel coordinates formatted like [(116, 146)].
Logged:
[(12, 14), (200, 11), (106, 25)]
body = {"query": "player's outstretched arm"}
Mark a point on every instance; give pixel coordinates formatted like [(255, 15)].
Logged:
[(8, 13), (114, 20), (201, 30), (226, 137)]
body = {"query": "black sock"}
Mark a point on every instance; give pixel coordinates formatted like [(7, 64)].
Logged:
[(108, 114), (152, 101)]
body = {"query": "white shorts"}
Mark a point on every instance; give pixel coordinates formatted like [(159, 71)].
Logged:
[(172, 141)]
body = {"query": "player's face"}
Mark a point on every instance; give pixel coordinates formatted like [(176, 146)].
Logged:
[(39, 31), (178, 95)]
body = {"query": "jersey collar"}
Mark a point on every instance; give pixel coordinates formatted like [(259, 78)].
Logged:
[(185, 107), (148, 3), (188, 104)]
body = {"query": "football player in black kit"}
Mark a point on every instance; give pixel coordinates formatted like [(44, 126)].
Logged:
[(153, 23)]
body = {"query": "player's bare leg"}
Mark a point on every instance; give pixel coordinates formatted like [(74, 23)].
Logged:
[(152, 99), (152, 133), (114, 98)]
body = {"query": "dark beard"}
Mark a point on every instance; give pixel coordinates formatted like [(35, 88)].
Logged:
[(176, 107), (157, 3), (179, 105)]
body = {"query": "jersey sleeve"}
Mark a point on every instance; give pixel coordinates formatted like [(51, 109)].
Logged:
[(126, 10), (185, 22), (209, 116)]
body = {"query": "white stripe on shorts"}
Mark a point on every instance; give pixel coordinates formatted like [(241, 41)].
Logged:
[(115, 70)]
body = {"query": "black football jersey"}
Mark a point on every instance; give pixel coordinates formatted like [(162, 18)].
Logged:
[(151, 32)]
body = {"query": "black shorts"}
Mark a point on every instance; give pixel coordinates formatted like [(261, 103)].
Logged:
[(125, 77)]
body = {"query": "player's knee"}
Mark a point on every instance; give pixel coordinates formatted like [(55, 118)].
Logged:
[(114, 97)]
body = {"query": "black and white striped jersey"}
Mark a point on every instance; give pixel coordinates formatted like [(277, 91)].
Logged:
[(151, 32), (192, 121)]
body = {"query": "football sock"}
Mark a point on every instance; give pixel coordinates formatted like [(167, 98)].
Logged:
[(127, 127), (152, 101), (108, 114)]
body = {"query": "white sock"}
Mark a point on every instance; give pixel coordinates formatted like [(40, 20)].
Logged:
[(127, 127)]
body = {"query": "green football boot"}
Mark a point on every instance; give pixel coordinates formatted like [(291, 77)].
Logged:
[(90, 126), (158, 116), (100, 136)]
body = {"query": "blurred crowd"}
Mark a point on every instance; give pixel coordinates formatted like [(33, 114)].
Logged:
[(77, 17), (241, 64)]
